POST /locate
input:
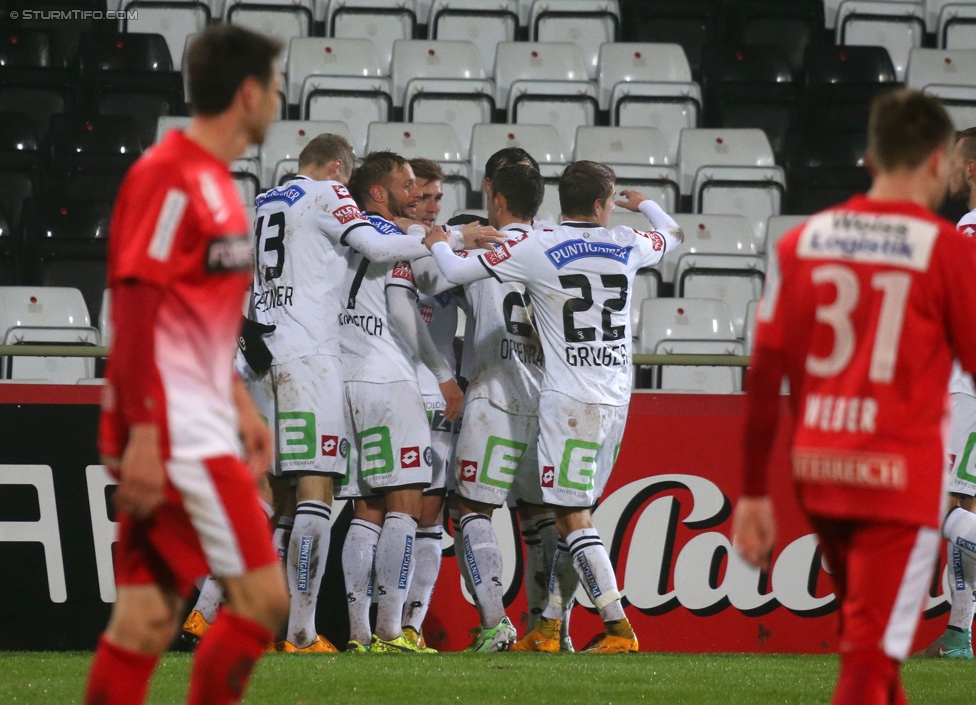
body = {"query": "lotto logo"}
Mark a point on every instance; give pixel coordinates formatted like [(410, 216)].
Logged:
[(968, 230), (410, 457), (347, 214), (402, 270), (330, 444), (497, 256), (548, 476), (341, 191), (469, 470)]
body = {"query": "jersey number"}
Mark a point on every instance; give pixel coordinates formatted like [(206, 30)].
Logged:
[(585, 301), (274, 244), (518, 328), (894, 287)]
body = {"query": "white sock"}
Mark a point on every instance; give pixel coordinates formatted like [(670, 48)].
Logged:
[(211, 597), (962, 575), (563, 583), (459, 552), (358, 553), (308, 550), (425, 567), (596, 573), (282, 536), (484, 559), (394, 553), (536, 571)]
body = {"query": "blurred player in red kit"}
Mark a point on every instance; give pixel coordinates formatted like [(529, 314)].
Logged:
[(174, 415), (865, 307)]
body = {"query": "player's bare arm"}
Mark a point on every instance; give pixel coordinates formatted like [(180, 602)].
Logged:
[(141, 473), (254, 431), (754, 530), (435, 235)]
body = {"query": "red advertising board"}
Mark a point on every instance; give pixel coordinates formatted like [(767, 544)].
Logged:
[(665, 518)]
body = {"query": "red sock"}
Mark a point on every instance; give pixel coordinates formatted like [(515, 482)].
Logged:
[(224, 659), (118, 676), (868, 678)]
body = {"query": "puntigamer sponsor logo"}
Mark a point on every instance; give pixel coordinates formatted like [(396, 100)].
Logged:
[(566, 252)]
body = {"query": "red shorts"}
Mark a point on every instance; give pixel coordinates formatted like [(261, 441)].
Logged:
[(882, 572), (210, 523)]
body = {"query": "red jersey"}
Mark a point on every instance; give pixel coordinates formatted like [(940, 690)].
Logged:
[(179, 227), (865, 306)]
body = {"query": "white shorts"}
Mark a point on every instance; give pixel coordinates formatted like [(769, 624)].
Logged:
[(441, 441), (312, 435), (578, 446), (392, 438), (496, 455), (962, 439)]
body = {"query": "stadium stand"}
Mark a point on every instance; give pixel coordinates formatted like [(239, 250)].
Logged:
[(741, 116)]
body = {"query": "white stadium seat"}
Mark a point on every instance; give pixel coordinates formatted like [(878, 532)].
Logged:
[(105, 319), (484, 23), (415, 58), (285, 169), (647, 282), (585, 23), (624, 62), (670, 107), (552, 61), (755, 192), (281, 19), (541, 141), (942, 67), (777, 226), (381, 21), (897, 26), (956, 27), (45, 314), (174, 23), (721, 147), (636, 146), (683, 319), (247, 179), (460, 103), (549, 209), (749, 334), (285, 139), (959, 102), (709, 234), (566, 105), (316, 56), (735, 279), (351, 100), (699, 379), (434, 141)]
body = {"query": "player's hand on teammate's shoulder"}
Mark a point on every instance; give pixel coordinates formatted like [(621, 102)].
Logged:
[(754, 530), (141, 473), (453, 399), (481, 237), (630, 199), (434, 235), (405, 223)]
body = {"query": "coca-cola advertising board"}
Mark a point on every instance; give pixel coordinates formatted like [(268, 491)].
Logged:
[(665, 518)]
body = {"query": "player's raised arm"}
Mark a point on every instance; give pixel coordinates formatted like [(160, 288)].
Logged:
[(661, 222)]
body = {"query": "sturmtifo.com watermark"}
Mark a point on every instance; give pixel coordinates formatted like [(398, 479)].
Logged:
[(74, 15)]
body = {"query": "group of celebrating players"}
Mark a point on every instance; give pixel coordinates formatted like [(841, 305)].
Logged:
[(348, 351)]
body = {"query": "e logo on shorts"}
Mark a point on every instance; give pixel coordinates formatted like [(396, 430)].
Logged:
[(296, 435), (375, 451), (502, 457), (578, 468)]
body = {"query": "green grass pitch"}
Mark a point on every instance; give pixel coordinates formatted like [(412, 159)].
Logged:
[(670, 679)]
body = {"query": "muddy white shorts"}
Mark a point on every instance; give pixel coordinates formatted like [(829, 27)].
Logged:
[(962, 439)]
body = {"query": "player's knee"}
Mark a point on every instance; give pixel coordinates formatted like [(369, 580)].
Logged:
[(147, 630)]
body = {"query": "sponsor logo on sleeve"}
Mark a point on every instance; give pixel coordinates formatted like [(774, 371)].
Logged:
[(341, 191), (469, 470), (410, 457), (571, 250), (402, 270), (548, 476), (347, 214), (497, 256), (657, 242), (230, 254), (330, 444), (968, 230), (426, 312)]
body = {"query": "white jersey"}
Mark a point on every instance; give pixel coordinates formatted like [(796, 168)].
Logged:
[(579, 277), (371, 349), (507, 364), (299, 264), (440, 314), (960, 382)]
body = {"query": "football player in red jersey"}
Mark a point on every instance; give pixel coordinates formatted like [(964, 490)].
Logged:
[(866, 304), (174, 415)]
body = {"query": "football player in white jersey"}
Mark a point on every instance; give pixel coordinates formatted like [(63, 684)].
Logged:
[(381, 332), (957, 641), (304, 230), (439, 312), (579, 276)]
